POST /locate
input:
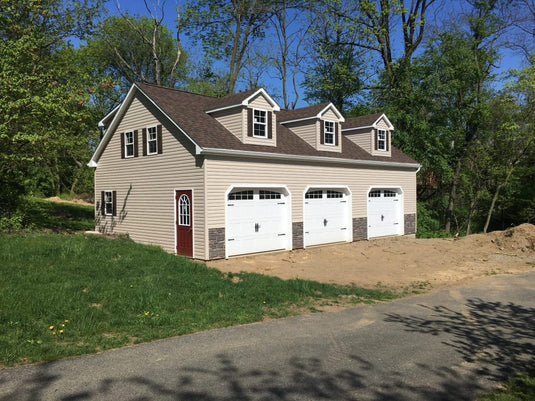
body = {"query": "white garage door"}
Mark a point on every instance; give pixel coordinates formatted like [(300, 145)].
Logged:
[(326, 217), (257, 221), (384, 213)]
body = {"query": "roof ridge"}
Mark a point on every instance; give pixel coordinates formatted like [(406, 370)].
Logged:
[(176, 89)]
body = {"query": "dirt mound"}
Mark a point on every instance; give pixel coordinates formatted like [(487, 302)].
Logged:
[(74, 200), (400, 262), (515, 240)]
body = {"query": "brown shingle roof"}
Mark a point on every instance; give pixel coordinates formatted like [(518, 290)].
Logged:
[(304, 112), (231, 100), (361, 121), (187, 111)]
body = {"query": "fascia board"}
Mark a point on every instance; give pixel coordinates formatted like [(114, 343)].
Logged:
[(301, 158)]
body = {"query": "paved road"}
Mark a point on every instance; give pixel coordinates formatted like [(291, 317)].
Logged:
[(448, 345)]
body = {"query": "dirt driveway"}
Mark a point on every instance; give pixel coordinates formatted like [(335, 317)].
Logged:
[(398, 262)]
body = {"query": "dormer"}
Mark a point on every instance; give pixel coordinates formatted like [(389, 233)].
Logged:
[(372, 132), (319, 125), (250, 116)]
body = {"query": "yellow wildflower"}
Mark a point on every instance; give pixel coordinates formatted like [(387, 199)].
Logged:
[(66, 320), (147, 313), (51, 327), (61, 332)]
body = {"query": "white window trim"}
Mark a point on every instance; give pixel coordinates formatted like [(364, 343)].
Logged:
[(265, 124), (106, 203), (333, 143), (155, 140), (126, 155), (383, 141)]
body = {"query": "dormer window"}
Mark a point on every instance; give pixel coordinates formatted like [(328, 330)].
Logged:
[(259, 123), (328, 133), (381, 139)]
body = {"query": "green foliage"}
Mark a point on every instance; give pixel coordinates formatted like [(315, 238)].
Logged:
[(122, 49), (226, 30), (41, 215), (335, 75), (44, 122), (520, 388), (429, 224), (110, 293)]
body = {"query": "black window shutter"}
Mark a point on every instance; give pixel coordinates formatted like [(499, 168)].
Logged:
[(249, 122), (387, 140), (270, 131), (322, 132), (376, 140), (144, 140), (136, 154), (102, 206), (122, 145), (114, 200), (159, 133), (336, 134)]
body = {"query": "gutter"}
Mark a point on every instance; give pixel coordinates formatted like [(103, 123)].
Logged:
[(301, 158)]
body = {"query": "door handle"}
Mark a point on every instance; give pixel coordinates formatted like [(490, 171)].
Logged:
[(325, 221), (256, 227), (382, 217)]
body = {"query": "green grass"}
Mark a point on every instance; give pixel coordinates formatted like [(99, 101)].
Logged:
[(116, 292), (58, 216), (521, 388)]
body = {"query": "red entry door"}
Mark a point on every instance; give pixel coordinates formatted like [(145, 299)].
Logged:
[(184, 223)]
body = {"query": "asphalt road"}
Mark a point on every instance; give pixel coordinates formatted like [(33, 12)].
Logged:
[(448, 345)]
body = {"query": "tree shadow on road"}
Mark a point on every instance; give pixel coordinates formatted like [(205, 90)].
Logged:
[(498, 338), (494, 339)]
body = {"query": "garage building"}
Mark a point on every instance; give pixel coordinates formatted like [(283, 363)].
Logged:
[(212, 177)]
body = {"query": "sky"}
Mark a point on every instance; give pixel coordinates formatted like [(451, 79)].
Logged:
[(509, 59)]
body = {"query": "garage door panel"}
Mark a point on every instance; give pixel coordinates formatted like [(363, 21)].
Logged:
[(325, 219), (384, 213), (256, 225)]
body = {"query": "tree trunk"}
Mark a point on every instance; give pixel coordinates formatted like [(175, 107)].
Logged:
[(453, 196), (495, 198)]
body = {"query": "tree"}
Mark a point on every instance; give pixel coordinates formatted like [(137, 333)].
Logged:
[(336, 68), (132, 49), (227, 30), (42, 94), (291, 29), (514, 138)]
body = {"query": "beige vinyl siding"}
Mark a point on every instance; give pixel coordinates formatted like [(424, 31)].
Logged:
[(221, 173), (306, 130), (260, 102), (232, 120), (362, 137), (145, 185), (329, 115)]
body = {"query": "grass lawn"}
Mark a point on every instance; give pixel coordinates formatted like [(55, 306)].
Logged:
[(69, 294), (521, 388), (58, 216)]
